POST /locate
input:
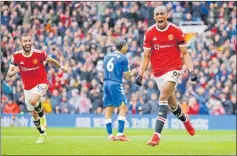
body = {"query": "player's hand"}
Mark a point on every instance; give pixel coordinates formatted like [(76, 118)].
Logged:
[(139, 80), (134, 71), (64, 69), (194, 76)]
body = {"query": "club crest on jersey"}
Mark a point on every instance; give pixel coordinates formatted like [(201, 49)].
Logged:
[(170, 36), (35, 61)]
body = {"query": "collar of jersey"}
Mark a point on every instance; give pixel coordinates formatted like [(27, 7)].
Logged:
[(163, 29), (29, 55)]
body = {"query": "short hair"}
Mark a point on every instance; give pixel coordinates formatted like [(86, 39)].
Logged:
[(119, 44), (24, 34), (161, 7)]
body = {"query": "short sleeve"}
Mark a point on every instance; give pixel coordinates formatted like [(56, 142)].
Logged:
[(44, 56), (13, 60), (126, 67), (180, 38), (147, 41)]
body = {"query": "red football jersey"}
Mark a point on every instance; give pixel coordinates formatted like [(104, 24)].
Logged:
[(31, 68), (164, 45)]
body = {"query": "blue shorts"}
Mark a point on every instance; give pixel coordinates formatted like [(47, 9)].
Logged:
[(114, 95)]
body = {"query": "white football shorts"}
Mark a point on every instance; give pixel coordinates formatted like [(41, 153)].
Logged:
[(40, 89), (172, 76)]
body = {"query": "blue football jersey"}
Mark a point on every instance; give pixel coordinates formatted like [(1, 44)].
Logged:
[(115, 64)]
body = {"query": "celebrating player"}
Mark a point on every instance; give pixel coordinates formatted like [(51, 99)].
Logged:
[(29, 62), (163, 45), (115, 65)]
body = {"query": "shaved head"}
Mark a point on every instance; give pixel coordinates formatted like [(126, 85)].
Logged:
[(161, 8)]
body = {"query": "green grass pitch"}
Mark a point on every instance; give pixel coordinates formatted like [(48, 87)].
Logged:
[(93, 141)]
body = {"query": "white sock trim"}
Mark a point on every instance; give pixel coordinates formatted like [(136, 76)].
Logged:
[(37, 104), (106, 121), (172, 110), (35, 119), (159, 135), (123, 118), (163, 103), (187, 117), (119, 134), (110, 136)]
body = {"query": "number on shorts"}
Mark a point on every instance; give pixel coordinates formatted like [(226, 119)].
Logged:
[(110, 65), (40, 88)]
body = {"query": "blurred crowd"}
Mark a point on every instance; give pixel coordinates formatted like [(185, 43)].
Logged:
[(80, 34)]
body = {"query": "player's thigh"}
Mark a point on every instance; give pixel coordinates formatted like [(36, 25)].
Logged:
[(117, 94), (28, 95), (167, 83), (167, 88), (37, 93), (108, 111), (171, 76), (106, 96)]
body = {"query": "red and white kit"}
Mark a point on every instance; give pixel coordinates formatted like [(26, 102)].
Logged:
[(33, 73), (165, 53)]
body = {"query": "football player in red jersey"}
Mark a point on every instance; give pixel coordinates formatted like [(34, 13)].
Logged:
[(163, 45), (29, 63)]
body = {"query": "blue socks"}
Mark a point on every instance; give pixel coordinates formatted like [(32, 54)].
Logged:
[(108, 124), (121, 123)]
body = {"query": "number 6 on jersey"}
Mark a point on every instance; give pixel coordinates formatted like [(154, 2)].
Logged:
[(110, 65)]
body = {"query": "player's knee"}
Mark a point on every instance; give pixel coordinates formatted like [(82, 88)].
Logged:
[(163, 97), (123, 108), (35, 114), (172, 106), (33, 102)]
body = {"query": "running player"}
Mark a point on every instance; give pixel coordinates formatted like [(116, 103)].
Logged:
[(29, 62), (163, 45)]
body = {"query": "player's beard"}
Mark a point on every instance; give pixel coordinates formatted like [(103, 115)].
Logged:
[(27, 50)]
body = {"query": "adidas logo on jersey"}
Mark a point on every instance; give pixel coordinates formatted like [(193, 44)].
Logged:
[(22, 62), (154, 39)]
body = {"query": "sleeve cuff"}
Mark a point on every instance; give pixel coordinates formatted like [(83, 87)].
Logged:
[(182, 45), (146, 48)]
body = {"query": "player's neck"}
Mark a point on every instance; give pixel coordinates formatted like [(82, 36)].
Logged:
[(26, 54)]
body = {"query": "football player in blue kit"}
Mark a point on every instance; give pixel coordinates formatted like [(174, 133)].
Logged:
[(115, 66)]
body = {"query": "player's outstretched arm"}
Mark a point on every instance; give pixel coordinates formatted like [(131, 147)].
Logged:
[(56, 63), (143, 66), (11, 71), (189, 63), (130, 73)]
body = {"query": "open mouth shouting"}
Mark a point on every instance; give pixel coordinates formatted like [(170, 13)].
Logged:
[(27, 47), (160, 22)]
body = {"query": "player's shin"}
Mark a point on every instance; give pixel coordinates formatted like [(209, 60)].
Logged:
[(121, 123), (37, 124), (108, 125), (177, 111), (39, 109), (162, 114)]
